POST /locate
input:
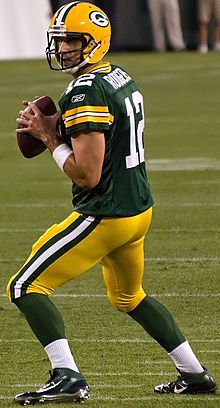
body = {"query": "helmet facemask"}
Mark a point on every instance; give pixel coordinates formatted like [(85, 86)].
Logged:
[(56, 59)]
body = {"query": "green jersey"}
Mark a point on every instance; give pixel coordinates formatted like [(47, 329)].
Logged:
[(107, 100)]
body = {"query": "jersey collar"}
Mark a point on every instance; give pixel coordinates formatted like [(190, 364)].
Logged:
[(104, 67)]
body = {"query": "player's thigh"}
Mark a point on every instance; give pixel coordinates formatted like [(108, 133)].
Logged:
[(123, 268), (65, 251), (70, 248)]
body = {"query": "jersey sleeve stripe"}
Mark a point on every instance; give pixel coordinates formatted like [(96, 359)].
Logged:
[(86, 119), (78, 115), (83, 114), (85, 109)]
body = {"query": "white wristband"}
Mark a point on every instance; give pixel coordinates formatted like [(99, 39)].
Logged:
[(61, 154)]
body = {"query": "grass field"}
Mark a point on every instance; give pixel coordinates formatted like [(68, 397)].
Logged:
[(121, 363)]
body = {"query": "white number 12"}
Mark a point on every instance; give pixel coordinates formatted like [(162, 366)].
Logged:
[(136, 130)]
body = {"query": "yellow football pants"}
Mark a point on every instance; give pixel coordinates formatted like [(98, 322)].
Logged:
[(70, 248)]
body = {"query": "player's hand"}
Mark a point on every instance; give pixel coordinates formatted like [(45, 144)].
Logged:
[(35, 122)]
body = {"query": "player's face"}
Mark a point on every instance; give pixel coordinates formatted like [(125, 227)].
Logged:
[(70, 51)]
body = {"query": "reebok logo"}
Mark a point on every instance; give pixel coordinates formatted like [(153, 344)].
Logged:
[(78, 98)]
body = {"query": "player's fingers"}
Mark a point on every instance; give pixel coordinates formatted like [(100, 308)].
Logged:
[(21, 130), (22, 121), (25, 114), (34, 108)]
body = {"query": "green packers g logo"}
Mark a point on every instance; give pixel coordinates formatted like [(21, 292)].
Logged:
[(99, 19)]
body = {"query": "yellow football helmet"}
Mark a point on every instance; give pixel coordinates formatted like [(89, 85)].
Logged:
[(78, 21)]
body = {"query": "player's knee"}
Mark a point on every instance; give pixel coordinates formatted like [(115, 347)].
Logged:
[(125, 303), (18, 287), (13, 290)]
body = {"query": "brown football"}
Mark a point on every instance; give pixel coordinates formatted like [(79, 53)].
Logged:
[(28, 144)]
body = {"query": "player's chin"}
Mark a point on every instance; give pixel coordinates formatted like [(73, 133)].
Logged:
[(68, 66), (68, 63)]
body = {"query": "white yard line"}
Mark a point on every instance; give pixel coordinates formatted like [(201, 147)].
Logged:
[(170, 295), (183, 230), (19, 230), (153, 398), (5, 260), (36, 205), (67, 206), (183, 259), (188, 204), (153, 230), (113, 341), (150, 259), (184, 164), (171, 399), (100, 295), (209, 351)]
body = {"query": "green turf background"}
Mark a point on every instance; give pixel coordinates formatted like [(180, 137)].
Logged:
[(121, 363)]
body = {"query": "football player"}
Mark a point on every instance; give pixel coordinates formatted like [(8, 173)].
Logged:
[(100, 148)]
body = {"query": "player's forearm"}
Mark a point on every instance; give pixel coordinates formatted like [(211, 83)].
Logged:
[(79, 171), (83, 175)]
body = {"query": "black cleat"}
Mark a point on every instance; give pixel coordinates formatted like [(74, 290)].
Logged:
[(65, 385), (187, 383)]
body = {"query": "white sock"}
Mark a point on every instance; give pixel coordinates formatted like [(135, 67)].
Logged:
[(60, 355), (185, 360), (217, 46), (203, 48)]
